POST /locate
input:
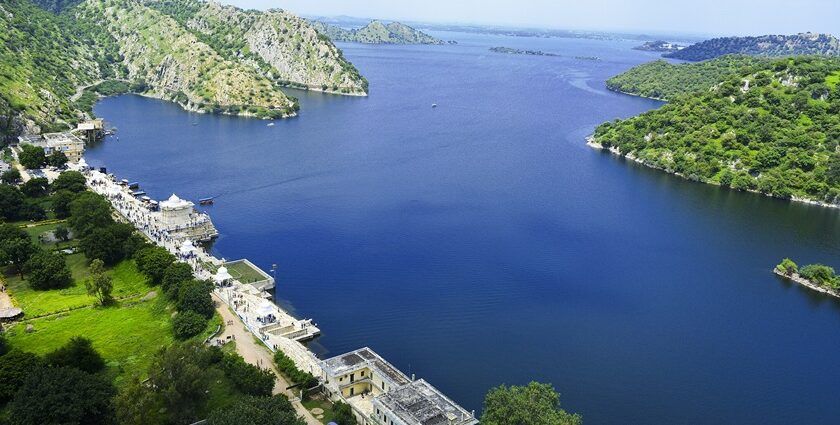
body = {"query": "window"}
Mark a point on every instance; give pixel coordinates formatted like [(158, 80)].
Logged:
[(363, 373)]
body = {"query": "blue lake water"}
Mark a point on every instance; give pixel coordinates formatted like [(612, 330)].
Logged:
[(482, 242)]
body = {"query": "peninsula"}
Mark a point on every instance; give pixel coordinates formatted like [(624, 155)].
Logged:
[(817, 277), (376, 32), (659, 46), (766, 127), (202, 55)]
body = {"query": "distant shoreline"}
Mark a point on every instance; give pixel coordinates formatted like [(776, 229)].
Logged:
[(593, 143)]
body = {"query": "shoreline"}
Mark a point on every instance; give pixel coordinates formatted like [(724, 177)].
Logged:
[(592, 143), (796, 278), (635, 94)]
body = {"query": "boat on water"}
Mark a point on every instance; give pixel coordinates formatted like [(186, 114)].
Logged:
[(434, 105), (271, 124), (205, 201)]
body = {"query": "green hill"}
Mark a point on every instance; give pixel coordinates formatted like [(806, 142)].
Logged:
[(774, 130), (377, 32), (663, 80), (202, 55), (766, 45)]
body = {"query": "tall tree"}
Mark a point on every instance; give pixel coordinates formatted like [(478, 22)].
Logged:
[(533, 404), (32, 157), (11, 202), (48, 270), (99, 284), (276, 410), (16, 247)]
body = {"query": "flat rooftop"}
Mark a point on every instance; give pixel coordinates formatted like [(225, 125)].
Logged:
[(361, 358), (419, 403)]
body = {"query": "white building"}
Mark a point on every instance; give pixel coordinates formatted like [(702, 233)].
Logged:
[(68, 143), (380, 394), (180, 218)]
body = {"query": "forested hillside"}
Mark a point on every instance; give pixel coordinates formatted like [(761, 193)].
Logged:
[(41, 63), (766, 45), (774, 130), (202, 55), (663, 80)]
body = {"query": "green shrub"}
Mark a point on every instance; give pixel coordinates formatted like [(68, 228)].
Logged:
[(188, 324)]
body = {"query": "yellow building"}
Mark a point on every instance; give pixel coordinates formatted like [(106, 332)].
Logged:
[(380, 394)]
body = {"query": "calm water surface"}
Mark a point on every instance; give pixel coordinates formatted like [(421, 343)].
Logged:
[(482, 242)]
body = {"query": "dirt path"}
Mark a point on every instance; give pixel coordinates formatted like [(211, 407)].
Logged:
[(255, 353)]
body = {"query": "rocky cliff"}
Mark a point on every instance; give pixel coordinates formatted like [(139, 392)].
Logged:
[(766, 45), (377, 32)]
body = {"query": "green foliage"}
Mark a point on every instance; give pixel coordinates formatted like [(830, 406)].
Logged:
[(276, 410), (62, 396), (766, 45), (57, 159), (111, 244), (188, 324), (534, 404), (61, 203), (178, 380), (32, 157), (78, 353), (56, 6), (16, 247), (89, 212), (47, 270), (4, 348), (71, 181), (821, 275), (10, 176), (287, 367), (99, 284), (11, 203), (343, 414), (195, 296), (61, 233), (663, 80), (174, 275), (249, 379), (35, 188), (15, 366), (153, 261), (788, 267), (773, 130)]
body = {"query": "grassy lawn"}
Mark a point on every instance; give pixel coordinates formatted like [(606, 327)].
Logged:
[(127, 336), (244, 273), (128, 281), (325, 405)]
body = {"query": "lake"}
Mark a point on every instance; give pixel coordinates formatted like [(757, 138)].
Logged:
[(482, 242)]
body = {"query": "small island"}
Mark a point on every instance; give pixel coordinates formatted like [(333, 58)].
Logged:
[(512, 51), (818, 277), (659, 46)]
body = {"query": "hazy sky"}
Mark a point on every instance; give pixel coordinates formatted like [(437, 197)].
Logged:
[(732, 17)]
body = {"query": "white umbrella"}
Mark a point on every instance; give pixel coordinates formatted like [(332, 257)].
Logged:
[(265, 308), (188, 248)]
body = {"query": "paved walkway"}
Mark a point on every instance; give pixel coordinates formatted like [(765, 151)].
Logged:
[(255, 353)]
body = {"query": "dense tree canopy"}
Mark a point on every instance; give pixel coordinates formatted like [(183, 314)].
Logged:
[(32, 157), (11, 203), (15, 366), (153, 261), (276, 410), (62, 396), (15, 246), (775, 131), (534, 404), (72, 181), (248, 378), (47, 270)]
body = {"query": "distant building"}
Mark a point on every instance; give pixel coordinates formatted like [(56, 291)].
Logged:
[(68, 143), (92, 130), (380, 394)]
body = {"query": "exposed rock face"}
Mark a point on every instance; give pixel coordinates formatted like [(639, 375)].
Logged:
[(174, 64), (285, 47), (377, 32)]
